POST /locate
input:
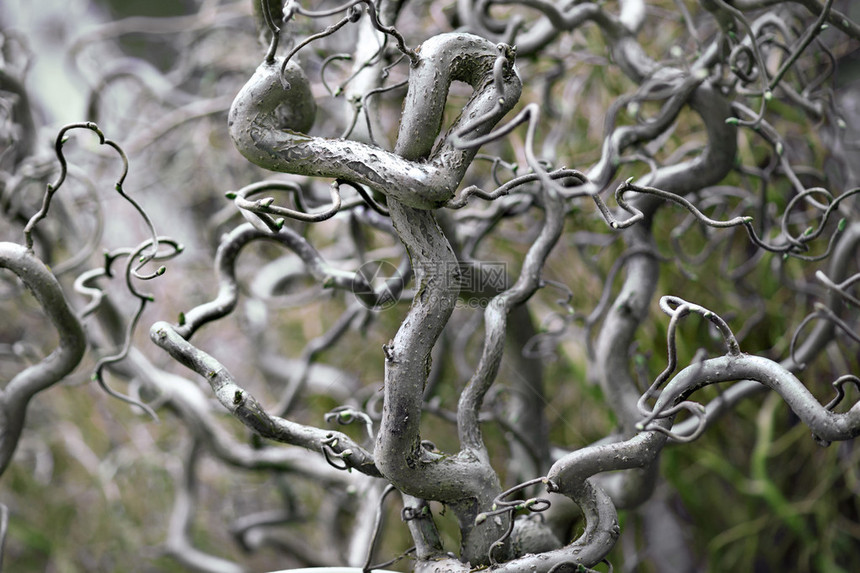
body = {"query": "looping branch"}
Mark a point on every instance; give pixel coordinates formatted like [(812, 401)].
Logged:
[(503, 506), (132, 255), (473, 190), (826, 426), (330, 277), (628, 185), (55, 186), (328, 449), (377, 523), (677, 308), (83, 283), (795, 246), (530, 114), (263, 208), (276, 141), (839, 387), (291, 8), (346, 415)]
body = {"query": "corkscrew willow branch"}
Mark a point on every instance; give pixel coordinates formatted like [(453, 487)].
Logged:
[(637, 215), (55, 186), (17, 393), (368, 200), (796, 245), (765, 89), (269, 20), (505, 189), (826, 426), (327, 32), (496, 320), (83, 253), (266, 140), (292, 7), (838, 387), (677, 308), (346, 415), (143, 299), (228, 287), (262, 208), (530, 114), (245, 407), (503, 506), (96, 295), (377, 523), (357, 69), (808, 36)]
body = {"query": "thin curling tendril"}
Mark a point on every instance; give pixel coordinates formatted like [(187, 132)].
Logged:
[(677, 308), (55, 186), (143, 300)]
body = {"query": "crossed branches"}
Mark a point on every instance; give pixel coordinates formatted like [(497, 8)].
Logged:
[(735, 167), (269, 122)]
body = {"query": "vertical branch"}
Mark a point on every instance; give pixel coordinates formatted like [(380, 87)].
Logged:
[(496, 316), (15, 397)]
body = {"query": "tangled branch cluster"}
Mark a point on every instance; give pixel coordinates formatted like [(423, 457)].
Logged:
[(451, 243)]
